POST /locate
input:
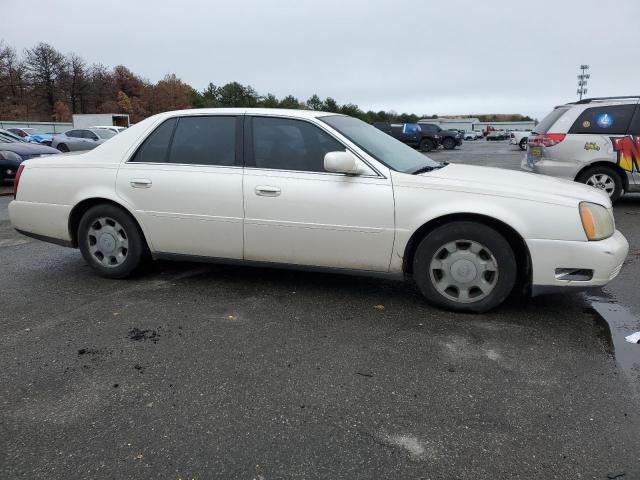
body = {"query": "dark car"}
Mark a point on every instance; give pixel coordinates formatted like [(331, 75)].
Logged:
[(449, 139), (410, 134), (14, 150)]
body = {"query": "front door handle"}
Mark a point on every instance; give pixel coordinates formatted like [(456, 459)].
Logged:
[(267, 191), (140, 183)]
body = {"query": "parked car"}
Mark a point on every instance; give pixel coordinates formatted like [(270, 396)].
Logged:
[(519, 137), (410, 134), (595, 141), (81, 139), (317, 190), (472, 135), (14, 150), (496, 135), (30, 135), (449, 139), (113, 128)]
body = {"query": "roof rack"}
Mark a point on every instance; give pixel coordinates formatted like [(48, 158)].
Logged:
[(589, 100)]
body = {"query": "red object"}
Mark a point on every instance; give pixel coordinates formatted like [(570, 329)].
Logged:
[(17, 180), (547, 139)]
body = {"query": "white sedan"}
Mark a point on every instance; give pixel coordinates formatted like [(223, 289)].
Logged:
[(317, 190)]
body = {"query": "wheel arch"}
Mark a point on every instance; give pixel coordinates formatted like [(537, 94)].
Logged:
[(517, 243), (608, 164), (83, 206)]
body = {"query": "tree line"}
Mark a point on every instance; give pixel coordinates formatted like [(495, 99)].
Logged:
[(43, 84)]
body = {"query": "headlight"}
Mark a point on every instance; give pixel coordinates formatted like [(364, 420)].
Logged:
[(596, 221), (11, 156)]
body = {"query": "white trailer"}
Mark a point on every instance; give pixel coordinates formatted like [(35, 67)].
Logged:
[(87, 120)]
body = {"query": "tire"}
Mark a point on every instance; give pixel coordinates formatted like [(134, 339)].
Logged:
[(448, 143), (469, 246), (605, 178), (426, 145), (111, 241), (523, 144), (63, 148)]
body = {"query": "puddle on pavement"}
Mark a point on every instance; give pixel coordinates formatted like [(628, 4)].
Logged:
[(618, 322)]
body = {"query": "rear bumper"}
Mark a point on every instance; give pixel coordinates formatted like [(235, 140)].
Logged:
[(45, 221), (561, 169), (604, 258)]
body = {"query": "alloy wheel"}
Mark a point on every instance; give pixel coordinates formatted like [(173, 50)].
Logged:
[(603, 182)]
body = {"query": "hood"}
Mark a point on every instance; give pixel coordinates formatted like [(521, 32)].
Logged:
[(514, 184), (27, 150)]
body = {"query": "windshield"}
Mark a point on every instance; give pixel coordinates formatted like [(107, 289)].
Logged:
[(103, 133), (384, 148)]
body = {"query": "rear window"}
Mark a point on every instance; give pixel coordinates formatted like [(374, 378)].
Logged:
[(608, 120), (548, 121)]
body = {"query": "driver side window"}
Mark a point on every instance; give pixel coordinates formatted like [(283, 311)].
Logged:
[(286, 144)]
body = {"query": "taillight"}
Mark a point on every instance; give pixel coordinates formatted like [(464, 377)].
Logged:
[(547, 139), (16, 180)]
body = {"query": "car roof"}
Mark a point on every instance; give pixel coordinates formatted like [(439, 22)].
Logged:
[(281, 112)]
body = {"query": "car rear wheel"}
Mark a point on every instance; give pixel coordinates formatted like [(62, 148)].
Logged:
[(111, 241), (523, 144), (605, 178), (448, 143), (426, 145), (63, 148), (465, 266)]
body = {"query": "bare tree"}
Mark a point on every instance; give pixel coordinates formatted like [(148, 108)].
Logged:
[(44, 66)]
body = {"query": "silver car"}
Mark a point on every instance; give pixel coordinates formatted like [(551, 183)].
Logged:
[(594, 141), (81, 139)]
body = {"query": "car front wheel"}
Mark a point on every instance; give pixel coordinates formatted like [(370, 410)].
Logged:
[(465, 266), (63, 148), (111, 241), (523, 144), (605, 178)]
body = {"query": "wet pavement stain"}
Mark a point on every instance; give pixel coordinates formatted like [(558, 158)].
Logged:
[(138, 335), (618, 322)]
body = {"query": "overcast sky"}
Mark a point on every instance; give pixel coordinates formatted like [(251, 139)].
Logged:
[(443, 57)]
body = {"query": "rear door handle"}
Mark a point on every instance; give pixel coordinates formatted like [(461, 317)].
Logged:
[(267, 191), (140, 183)]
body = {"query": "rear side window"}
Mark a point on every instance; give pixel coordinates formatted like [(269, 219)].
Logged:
[(548, 121), (156, 146), (202, 140), (611, 120), (286, 144)]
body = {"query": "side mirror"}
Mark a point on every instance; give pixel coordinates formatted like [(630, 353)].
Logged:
[(340, 162)]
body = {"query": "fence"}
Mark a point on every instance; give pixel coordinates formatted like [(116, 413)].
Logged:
[(40, 127)]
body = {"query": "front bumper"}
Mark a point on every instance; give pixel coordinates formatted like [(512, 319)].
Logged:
[(561, 169), (603, 257)]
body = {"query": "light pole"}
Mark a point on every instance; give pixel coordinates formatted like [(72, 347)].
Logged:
[(582, 80)]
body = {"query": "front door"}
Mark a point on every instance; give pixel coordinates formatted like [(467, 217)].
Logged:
[(297, 213), (185, 184)]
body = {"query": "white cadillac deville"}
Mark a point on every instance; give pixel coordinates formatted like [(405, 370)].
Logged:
[(312, 189)]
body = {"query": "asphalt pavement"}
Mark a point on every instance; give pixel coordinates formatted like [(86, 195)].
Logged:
[(206, 371)]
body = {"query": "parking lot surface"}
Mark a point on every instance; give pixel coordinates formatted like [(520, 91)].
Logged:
[(207, 371)]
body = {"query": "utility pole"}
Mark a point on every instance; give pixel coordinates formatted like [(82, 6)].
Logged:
[(582, 80)]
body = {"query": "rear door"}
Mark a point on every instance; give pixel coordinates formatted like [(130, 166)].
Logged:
[(598, 134), (185, 183)]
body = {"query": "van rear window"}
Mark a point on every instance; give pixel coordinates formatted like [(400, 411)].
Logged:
[(548, 121)]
